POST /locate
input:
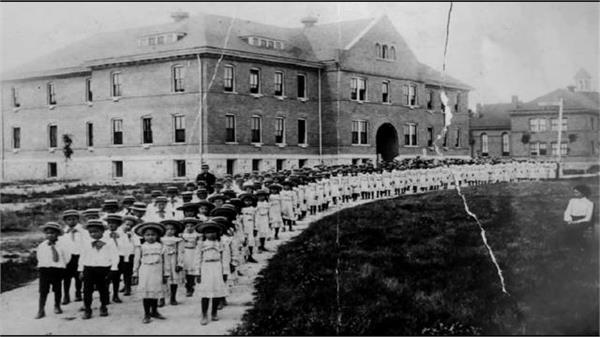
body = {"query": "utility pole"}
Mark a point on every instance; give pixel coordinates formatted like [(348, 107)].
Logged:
[(560, 105)]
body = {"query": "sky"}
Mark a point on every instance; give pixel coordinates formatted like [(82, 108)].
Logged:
[(500, 49)]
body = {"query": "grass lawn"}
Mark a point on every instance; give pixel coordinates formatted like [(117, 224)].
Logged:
[(416, 265)]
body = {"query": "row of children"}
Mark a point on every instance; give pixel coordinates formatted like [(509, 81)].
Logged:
[(112, 243)]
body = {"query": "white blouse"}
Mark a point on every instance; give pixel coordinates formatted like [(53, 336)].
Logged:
[(579, 207)]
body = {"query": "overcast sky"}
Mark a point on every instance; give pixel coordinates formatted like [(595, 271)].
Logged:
[(500, 49)]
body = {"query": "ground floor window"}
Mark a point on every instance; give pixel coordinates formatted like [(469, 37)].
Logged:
[(180, 168), (52, 171), (230, 166), (301, 163), (117, 169), (279, 164), (256, 164), (355, 161)]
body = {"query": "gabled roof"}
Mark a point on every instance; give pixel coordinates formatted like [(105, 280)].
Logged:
[(492, 116), (572, 100), (326, 39)]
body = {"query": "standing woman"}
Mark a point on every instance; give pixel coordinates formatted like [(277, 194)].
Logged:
[(578, 214)]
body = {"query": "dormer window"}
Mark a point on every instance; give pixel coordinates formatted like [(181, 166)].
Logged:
[(264, 42), (160, 39), (384, 51)]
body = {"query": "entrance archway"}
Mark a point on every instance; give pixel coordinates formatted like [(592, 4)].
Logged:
[(387, 142)]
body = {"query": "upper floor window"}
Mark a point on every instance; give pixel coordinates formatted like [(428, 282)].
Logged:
[(410, 94), (117, 131), (410, 134), (554, 124), (52, 136), (88, 90), (564, 149), (457, 103), (254, 81), (280, 130), (228, 78), (179, 128), (15, 97), (392, 53), (484, 144), (302, 131), (359, 132), (51, 93), (385, 92), (230, 128), (384, 52), (537, 124), (301, 86), (256, 129), (505, 144), (16, 138), (278, 83), (378, 50), (430, 99), (159, 39), (115, 80), (147, 130), (358, 89), (429, 136), (178, 79), (457, 143), (265, 42), (89, 133)]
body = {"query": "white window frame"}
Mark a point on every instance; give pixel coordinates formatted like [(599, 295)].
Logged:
[(485, 148), (229, 66), (554, 124), (534, 149), (505, 138), (282, 83), (234, 162), (259, 161), (385, 85), (182, 119), (257, 82), (277, 124), (51, 93), (564, 148), (260, 133), (175, 80), (355, 88), (113, 123), (151, 133), (411, 135), (50, 136), (227, 141), (115, 84), (360, 126)]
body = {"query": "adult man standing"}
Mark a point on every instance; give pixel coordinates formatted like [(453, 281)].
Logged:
[(207, 177)]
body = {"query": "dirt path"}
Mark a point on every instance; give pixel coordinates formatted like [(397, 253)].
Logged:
[(19, 306)]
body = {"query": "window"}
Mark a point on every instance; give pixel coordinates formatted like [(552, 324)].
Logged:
[(430, 99), (457, 103), (51, 93), (52, 171), (228, 79), (117, 169), (406, 94), (256, 129), (430, 137), (52, 136), (254, 81), (90, 134), (301, 163), (533, 125), (384, 51), (378, 50), (178, 79), (16, 138), (230, 129), (385, 88), (152, 40), (230, 166), (392, 53), (15, 97), (445, 140), (410, 134), (117, 130), (505, 144), (359, 132), (542, 147), (302, 131), (554, 124), (279, 130), (256, 164), (542, 124), (537, 124), (179, 125), (457, 143), (484, 144), (412, 95), (146, 130), (355, 161), (278, 80), (160, 39), (116, 84), (180, 168), (534, 149), (279, 164), (358, 89), (302, 86), (88, 90), (564, 149)]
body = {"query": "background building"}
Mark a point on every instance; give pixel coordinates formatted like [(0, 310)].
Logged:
[(152, 103)]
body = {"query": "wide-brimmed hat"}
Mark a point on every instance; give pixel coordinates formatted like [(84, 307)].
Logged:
[(244, 196), (70, 212), (188, 205), (262, 192), (141, 228), (91, 212), (138, 206), (228, 212), (110, 203), (190, 184), (212, 198), (95, 223), (128, 199), (161, 199), (128, 217), (52, 225), (209, 205), (172, 189), (224, 221), (188, 219), (113, 217), (237, 202), (155, 193), (229, 194), (209, 225), (177, 224)]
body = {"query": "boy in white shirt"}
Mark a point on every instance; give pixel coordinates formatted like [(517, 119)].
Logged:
[(74, 238)]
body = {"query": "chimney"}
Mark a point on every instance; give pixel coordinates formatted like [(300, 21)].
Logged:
[(571, 88), (515, 101), (179, 16), (309, 21)]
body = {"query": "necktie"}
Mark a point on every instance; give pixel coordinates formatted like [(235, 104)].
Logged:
[(72, 231), (54, 251), (97, 244), (114, 236)]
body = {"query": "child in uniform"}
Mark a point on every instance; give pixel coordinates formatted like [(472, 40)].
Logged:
[(52, 255), (113, 234), (173, 247), (148, 268), (191, 240), (126, 251), (275, 219), (74, 238), (248, 213), (261, 218), (287, 205)]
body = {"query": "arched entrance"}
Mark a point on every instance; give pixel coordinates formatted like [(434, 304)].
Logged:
[(387, 142)]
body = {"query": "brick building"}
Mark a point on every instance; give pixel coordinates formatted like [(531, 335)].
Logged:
[(530, 130), (152, 103)]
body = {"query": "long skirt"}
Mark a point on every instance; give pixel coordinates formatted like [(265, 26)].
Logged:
[(150, 281), (211, 282), (189, 254)]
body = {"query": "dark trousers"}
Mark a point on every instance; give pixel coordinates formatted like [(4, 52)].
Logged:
[(95, 277), (50, 276), (125, 269), (71, 273)]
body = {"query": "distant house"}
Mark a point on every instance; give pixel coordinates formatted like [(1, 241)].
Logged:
[(153, 103)]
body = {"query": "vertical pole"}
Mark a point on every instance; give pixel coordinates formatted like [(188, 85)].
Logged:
[(200, 109), (320, 121), (560, 124)]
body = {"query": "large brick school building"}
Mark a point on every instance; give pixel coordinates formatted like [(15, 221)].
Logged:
[(153, 103)]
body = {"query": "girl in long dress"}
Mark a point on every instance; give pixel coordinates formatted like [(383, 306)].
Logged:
[(173, 257), (148, 268), (210, 260)]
